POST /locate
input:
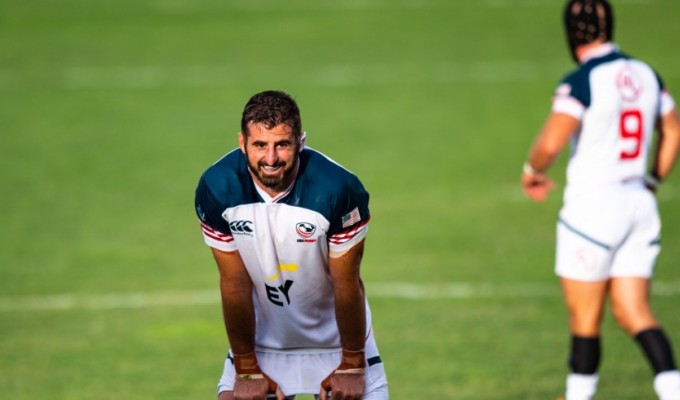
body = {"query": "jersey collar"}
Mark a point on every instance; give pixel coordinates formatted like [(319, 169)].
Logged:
[(599, 51), (269, 199)]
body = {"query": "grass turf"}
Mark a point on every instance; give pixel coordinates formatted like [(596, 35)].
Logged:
[(111, 110)]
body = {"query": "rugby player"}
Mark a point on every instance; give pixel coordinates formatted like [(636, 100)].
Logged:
[(608, 230), (286, 226)]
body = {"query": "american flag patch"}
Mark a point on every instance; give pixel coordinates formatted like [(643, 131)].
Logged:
[(351, 218), (345, 236)]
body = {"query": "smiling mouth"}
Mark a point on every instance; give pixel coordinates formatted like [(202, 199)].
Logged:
[(271, 168)]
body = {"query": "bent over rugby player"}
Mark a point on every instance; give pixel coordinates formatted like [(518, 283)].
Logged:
[(286, 226)]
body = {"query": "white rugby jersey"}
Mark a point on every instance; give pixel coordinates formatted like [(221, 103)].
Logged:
[(618, 100), (284, 242)]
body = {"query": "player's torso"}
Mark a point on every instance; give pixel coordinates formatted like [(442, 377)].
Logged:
[(281, 245), (285, 241), (284, 244), (285, 251), (617, 126)]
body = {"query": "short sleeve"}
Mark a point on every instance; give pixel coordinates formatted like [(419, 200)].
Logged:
[(349, 224), (215, 229), (571, 97), (667, 102)]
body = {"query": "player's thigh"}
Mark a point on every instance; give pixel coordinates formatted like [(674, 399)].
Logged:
[(590, 229), (637, 254), (378, 393), (630, 304), (376, 383), (580, 255), (585, 303)]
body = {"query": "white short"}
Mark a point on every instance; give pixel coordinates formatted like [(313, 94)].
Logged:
[(608, 233), (302, 372)]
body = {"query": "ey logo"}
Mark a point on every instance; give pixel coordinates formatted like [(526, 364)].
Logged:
[(278, 294)]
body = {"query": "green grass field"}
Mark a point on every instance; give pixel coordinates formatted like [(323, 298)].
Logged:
[(110, 111)]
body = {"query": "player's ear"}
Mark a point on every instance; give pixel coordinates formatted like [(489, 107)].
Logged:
[(242, 142), (301, 142)]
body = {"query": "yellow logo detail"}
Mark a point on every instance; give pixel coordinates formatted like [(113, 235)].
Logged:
[(282, 267)]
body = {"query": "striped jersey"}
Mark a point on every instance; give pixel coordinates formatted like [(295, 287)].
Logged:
[(618, 100), (284, 242)]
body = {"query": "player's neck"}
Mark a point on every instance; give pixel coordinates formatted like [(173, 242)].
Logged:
[(594, 49)]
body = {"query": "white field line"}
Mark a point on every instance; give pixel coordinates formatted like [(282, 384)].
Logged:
[(435, 72), (325, 75), (179, 6), (68, 301), (396, 290)]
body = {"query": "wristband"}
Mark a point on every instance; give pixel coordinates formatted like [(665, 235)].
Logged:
[(351, 371), (352, 360), (652, 181), (247, 369), (527, 169), (246, 364), (247, 377)]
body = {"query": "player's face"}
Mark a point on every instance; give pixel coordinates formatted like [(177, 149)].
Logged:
[(272, 156)]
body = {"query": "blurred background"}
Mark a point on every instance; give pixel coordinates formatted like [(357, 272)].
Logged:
[(111, 110)]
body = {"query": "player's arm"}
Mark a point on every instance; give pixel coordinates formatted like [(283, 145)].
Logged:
[(667, 148), (350, 302), (548, 145), (238, 311), (348, 380)]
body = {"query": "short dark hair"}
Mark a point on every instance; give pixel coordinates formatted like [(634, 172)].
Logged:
[(271, 108), (586, 21)]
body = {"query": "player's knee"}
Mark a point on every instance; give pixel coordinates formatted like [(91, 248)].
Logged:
[(585, 355), (633, 319), (584, 322), (623, 314), (584, 327)]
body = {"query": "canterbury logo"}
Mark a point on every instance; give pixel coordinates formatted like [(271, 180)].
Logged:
[(245, 227)]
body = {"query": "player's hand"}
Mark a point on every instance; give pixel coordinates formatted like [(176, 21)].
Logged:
[(256, 389), (251, 383), (343, 387), (348, 381), (537, 186)]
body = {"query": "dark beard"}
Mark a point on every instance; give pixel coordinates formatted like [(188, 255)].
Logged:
[(277, 183)]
